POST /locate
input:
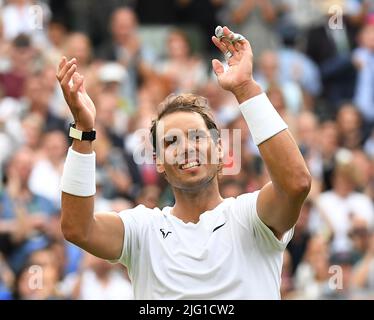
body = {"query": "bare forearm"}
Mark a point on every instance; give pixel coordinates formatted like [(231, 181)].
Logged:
[(280, 201), (100, 234), (286, 165), (280, 152)]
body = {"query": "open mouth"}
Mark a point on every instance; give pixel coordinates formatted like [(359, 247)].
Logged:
[(189, 165)]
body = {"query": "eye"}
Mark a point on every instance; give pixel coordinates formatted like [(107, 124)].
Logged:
[(197, 135), (169, 140)]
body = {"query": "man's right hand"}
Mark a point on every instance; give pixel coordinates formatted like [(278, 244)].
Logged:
[(80, 104)]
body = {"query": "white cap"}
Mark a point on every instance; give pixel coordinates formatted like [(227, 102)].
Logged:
[(112, 72)]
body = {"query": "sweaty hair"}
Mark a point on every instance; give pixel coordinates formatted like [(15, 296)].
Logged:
[(186, 102)]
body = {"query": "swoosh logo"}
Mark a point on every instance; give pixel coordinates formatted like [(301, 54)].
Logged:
[(216, 228)]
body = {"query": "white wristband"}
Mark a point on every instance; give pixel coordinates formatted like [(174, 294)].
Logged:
[(78, 177), (262, 118)]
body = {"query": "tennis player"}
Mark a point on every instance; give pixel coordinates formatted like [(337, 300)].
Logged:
[(204, 247)]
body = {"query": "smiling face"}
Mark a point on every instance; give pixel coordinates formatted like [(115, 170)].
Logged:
[(188, 154)]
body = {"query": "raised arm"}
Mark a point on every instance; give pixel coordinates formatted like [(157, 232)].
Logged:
[(279, 201), (101, 234)]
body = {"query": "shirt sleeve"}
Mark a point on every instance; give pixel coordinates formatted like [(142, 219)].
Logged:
[(260, 232), (134, 221)]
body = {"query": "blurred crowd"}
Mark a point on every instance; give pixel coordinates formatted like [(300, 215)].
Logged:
[(315, 60)]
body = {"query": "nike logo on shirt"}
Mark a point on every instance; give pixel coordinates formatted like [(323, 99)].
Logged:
[(216, 228)]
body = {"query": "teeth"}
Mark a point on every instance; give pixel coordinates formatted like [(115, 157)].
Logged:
[(190, 165)]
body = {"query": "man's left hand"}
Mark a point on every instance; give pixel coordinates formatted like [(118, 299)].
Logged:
[(238, 78)]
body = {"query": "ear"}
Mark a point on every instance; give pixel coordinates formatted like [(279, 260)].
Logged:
[(160, 168)]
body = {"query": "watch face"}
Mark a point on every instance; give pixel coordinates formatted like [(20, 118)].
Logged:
[(81, 135), (75, 134)]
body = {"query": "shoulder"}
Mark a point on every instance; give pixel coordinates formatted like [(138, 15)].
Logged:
[(361, 54), (246, 199), (245, 212), (141, 214), (360, 198), (243, 208)]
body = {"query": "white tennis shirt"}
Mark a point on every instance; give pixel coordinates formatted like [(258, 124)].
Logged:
[(229, 254)]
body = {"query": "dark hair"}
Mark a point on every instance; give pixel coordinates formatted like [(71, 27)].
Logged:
[(22, 41), (186, 102)]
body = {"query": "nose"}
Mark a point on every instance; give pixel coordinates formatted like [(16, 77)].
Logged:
[(188, 149)]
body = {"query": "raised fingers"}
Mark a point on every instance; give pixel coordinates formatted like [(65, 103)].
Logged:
[(77, 83), (227, 39), (67, 77), (64, 67), (62, 63), (220, 45)]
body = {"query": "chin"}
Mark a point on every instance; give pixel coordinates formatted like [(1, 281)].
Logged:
[(193, 183)]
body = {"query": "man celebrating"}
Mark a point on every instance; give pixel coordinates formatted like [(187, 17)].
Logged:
[(204, 247)]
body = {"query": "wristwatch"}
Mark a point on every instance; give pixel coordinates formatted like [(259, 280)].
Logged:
[(81, 135)]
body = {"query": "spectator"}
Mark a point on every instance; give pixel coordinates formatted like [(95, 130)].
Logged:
[(255, 19), (349, 123), (6, 279), (32, 131), (221, 102), (307, 137), (149, 196), (15, 73), (297, 246), (363, 275), (359, 235), (287, 280), (203, 14), (46, 172), (57, 34), (297, 67), (278, 99), (44, 283), (363, 58), (112, 171), (186, 71), (341, 266), (330, 48), (98, 280), (25, 218), (328, 141), (342, 204), (21, 16), (268, 76), (312, 273), (37, 100), (125, 47), (231, 188), (78, 45), (112, 117)]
